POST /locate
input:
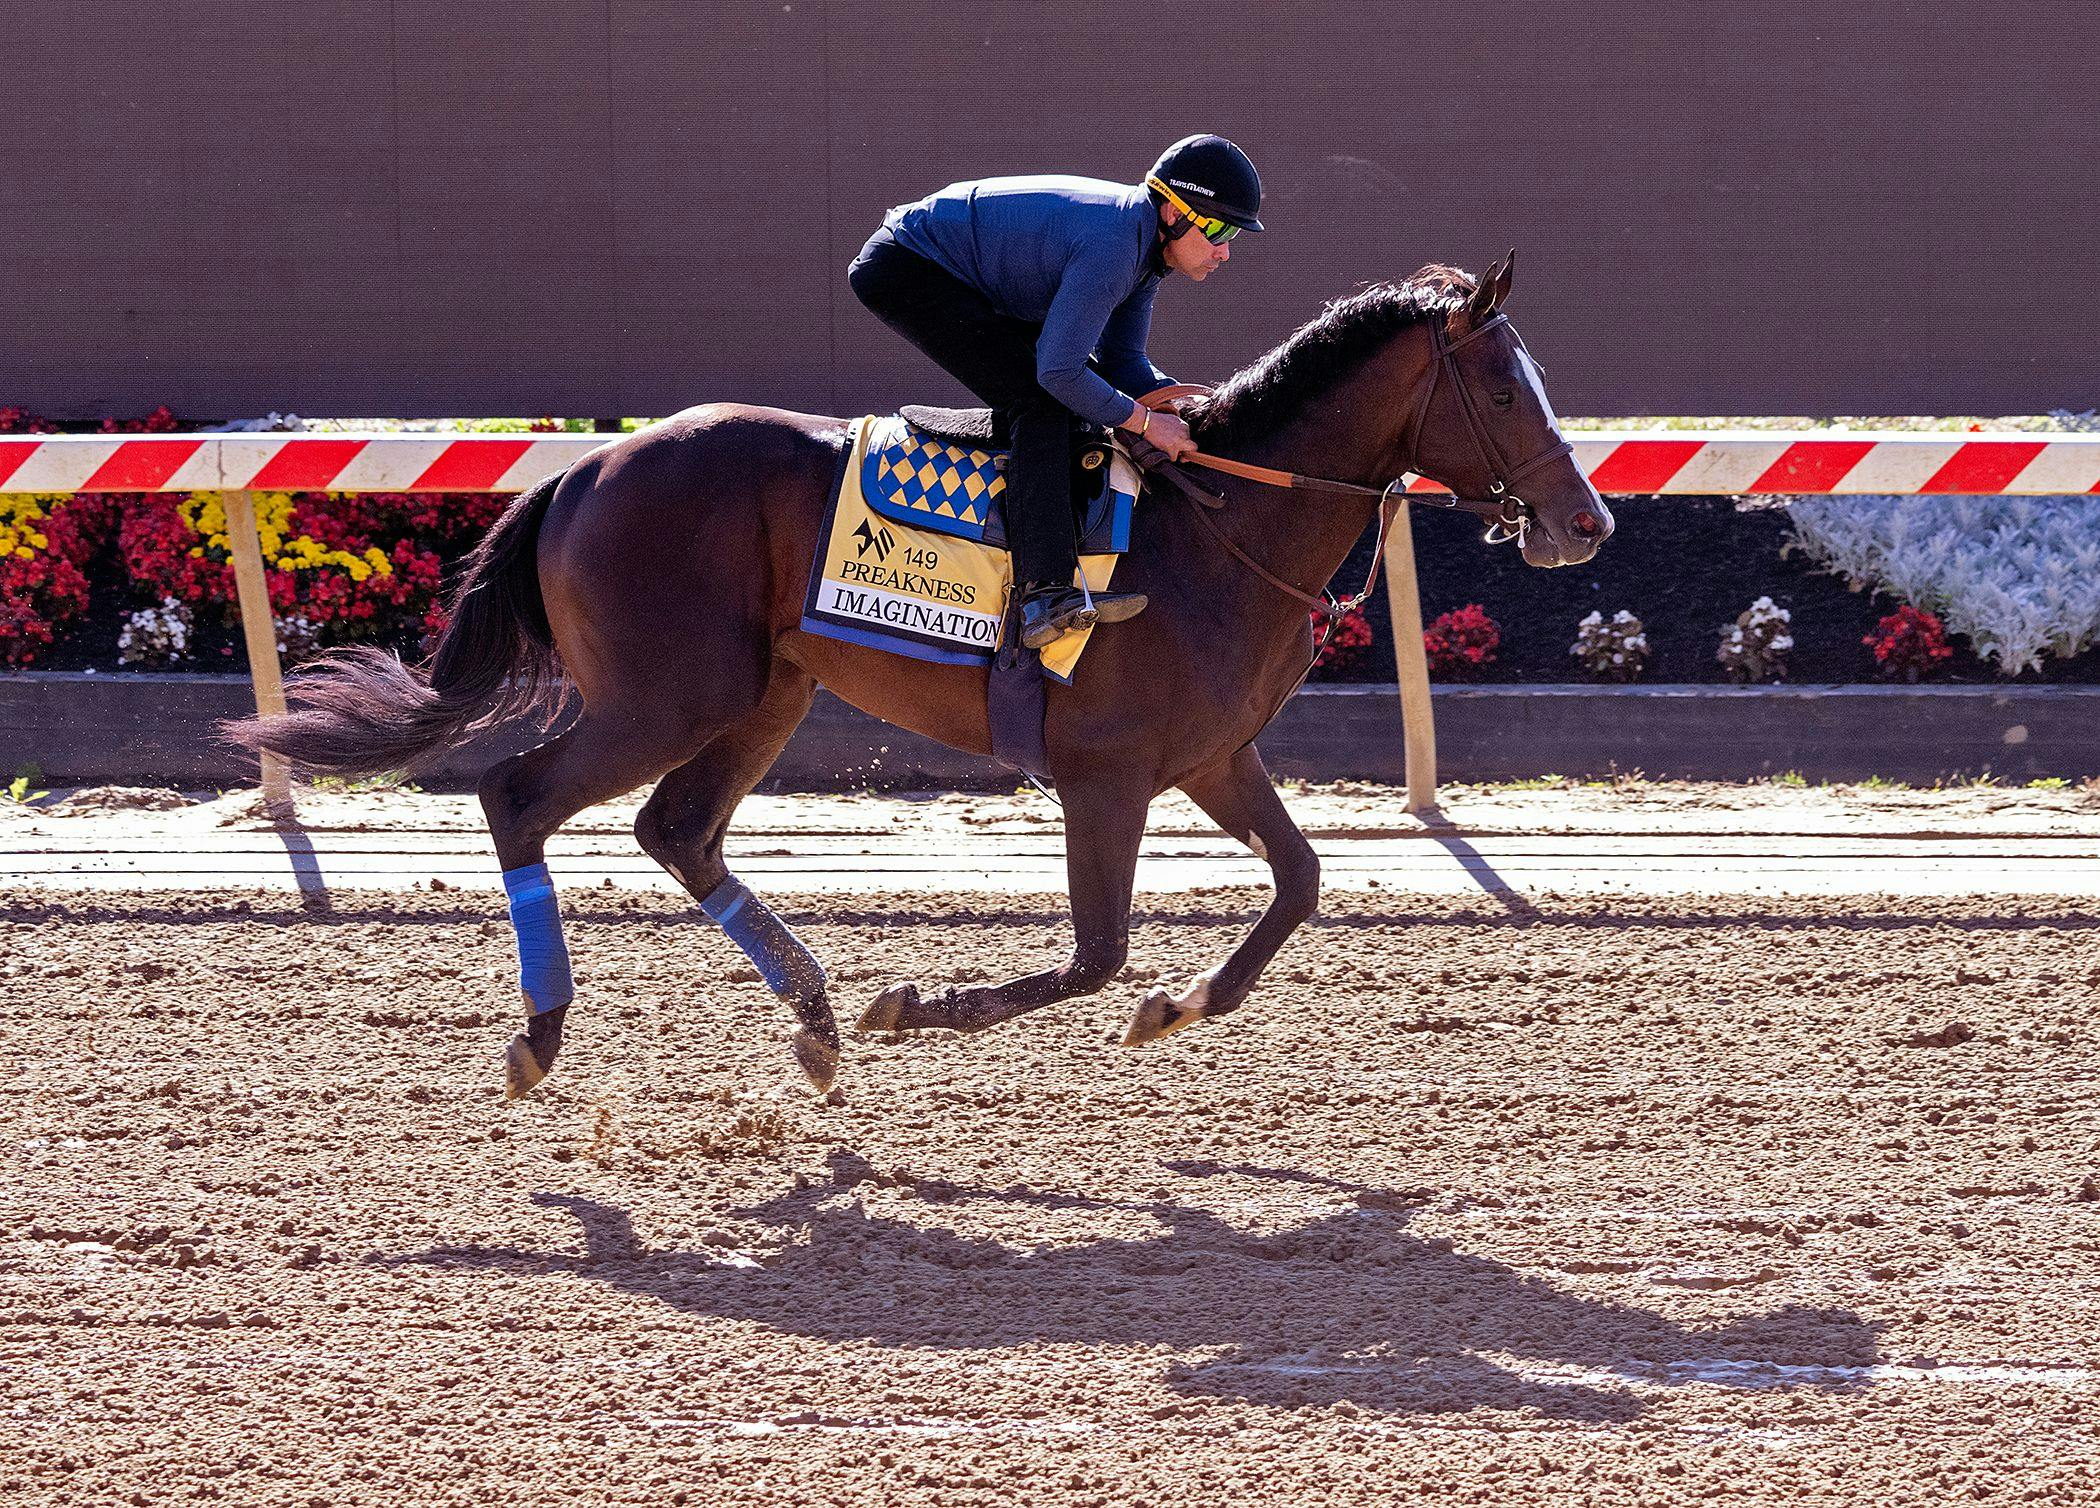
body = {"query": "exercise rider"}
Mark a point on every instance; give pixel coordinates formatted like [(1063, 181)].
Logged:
[(1036, 294)]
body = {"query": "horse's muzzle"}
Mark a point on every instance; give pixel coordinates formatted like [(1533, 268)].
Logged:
[(1569, 543)]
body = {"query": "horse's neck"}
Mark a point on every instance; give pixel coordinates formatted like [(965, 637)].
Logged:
[(1350, 435)]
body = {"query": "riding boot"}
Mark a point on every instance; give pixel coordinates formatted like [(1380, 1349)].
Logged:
[(1050, 610), (1043, 535)]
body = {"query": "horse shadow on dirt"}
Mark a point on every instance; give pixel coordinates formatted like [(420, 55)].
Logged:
[(1347, 1307)]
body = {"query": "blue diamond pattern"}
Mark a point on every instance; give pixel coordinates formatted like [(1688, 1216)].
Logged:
[(932, 477)]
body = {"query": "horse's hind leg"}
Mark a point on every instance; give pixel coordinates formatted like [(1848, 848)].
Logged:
[(682, 827), (1237, 795), (526, 798)]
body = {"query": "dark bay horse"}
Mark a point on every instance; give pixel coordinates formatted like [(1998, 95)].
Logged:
[(663, 575)]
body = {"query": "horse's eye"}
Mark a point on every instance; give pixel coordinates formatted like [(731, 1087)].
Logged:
[(1505, 398)]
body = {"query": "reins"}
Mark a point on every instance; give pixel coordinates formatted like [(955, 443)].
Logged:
[(1508, 516)]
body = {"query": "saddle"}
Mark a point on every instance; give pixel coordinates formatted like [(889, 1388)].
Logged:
[(913, 557), (919, 478)]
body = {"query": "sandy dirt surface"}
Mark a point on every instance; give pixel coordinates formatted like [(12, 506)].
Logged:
[(1636, 838), (1481, 1199)]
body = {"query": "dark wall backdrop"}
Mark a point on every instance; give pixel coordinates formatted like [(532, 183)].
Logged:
[(603, 207)]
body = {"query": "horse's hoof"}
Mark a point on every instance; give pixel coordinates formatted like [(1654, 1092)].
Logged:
[(885, 1013), (1161, 1015), (818, 1059), (522, 1068), (530, 1056)]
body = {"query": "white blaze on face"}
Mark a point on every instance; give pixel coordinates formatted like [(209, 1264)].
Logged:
[(1532, 378)]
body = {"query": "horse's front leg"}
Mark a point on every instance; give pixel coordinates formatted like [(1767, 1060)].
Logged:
[(1237, 795), (1104, 824)]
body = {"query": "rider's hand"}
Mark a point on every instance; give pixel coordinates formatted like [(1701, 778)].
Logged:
[(1170, 434)]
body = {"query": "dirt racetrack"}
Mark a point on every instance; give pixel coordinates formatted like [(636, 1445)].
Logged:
[(1612, 1200)]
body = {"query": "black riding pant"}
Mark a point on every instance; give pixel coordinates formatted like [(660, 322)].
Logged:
[(993, 355)]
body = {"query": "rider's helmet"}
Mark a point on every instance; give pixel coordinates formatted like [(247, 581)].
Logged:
[(1212, 177)]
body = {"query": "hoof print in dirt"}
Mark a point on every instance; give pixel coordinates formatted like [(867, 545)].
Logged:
[(885, 1013)]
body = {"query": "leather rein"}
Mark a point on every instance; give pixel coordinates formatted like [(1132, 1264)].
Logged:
[(1508, 516)]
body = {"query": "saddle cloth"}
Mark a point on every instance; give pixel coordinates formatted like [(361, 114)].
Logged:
[(913, 556)]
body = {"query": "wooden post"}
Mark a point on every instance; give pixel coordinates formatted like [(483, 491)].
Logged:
[(1417, 717), (259, 628)]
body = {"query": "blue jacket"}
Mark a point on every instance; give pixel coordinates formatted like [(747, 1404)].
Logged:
[(1073, 254)]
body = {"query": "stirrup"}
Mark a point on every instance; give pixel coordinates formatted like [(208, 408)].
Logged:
[(1054, 626)]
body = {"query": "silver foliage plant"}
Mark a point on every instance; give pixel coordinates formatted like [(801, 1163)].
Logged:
[(2019, 577)]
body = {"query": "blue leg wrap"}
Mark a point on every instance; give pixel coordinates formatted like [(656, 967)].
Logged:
[(788, 968), (543, 959)]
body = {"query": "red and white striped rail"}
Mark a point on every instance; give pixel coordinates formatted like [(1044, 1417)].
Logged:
[(287, 462), (1617, 461)]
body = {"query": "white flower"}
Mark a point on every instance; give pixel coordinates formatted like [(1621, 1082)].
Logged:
[(156, 635)]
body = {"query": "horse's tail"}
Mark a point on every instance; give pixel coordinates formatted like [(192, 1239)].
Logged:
[(361, 711)]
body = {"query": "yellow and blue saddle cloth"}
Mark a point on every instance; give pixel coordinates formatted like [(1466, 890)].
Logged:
[(914, 559)]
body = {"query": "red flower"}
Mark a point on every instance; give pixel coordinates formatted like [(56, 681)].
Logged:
[(43, 594), (20, 421), (1908, 644), (1461, 642), (159, 422), (415, 533)]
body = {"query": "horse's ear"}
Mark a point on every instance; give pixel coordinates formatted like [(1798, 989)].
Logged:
[(1501, 277), (1481, 306)]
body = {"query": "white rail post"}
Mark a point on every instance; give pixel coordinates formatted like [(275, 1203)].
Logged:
[(1403, 599), (259, 628)]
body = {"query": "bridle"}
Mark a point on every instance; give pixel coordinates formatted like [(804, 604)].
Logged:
[(1508, 516)]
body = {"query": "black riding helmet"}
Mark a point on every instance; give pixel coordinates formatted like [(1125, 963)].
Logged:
[(1214, 177)]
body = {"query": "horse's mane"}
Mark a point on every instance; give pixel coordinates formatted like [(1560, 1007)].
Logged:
[(1256, 401)]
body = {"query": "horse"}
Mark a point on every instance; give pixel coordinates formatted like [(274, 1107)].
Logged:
[(660, 580)]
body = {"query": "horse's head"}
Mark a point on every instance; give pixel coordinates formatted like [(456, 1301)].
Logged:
[(1484, 429)]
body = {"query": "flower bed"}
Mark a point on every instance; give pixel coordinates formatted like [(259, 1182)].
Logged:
[(47, 546), (157, 571), (1685, 570)]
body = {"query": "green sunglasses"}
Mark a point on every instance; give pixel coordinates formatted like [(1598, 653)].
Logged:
[(1217, 232)]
